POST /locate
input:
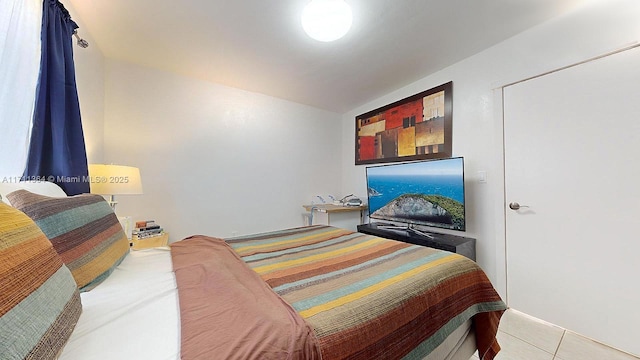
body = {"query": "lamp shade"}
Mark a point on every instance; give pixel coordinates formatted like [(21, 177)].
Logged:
[(115, 179), (327, 20)]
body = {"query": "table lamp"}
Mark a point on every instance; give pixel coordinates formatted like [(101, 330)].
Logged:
[(114, 180)]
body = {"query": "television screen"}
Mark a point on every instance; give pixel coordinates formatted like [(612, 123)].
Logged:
[(427, 193)]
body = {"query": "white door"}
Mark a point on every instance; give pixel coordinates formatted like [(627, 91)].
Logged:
[(572, 155)]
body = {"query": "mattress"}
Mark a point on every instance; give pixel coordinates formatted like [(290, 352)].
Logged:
[(134, 314)]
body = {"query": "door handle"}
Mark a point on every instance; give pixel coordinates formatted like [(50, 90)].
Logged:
[(516, 206)]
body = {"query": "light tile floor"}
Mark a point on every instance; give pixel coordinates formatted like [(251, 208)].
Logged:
[(523, 337)]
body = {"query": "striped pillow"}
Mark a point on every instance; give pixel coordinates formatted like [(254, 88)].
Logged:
[(39, 301), (83, 229)]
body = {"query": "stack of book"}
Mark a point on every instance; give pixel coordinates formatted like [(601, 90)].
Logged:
[(147, 229)]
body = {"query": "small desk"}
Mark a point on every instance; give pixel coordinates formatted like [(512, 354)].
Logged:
[(330, 209)]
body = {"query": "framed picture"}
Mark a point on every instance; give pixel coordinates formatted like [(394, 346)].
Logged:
[(414, 128)]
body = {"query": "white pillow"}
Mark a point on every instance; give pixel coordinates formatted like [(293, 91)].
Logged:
[(37, 187)]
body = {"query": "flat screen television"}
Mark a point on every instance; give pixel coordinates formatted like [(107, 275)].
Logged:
[(429, 193)]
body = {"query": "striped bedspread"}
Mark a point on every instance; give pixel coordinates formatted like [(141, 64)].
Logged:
[(368, 297)]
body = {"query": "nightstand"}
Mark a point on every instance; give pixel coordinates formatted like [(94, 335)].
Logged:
[(150, 242)]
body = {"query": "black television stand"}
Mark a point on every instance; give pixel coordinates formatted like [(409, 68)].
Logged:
[(458, 244)]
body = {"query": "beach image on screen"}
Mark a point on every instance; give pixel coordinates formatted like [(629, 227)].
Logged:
[(428, 192)]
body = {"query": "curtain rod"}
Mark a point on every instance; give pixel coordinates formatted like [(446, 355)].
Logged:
[(81, 42)]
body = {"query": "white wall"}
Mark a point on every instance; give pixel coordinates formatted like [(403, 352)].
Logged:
[(216, 160), (477, 109)]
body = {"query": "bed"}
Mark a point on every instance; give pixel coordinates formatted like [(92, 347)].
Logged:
[(302, 293)]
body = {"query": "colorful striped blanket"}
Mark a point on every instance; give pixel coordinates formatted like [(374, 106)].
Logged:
[(367, 297)]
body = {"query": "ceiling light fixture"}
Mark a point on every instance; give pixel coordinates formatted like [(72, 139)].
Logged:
[(327, 20)]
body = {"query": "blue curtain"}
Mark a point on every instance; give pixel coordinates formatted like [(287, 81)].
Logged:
[(57, 151)]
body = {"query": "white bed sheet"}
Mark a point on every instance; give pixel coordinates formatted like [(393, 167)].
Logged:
[(133, 314)]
